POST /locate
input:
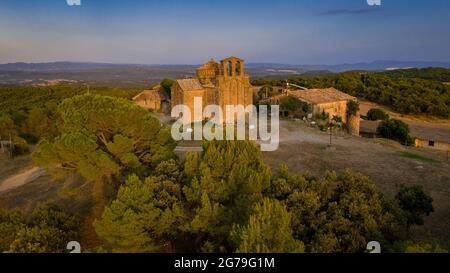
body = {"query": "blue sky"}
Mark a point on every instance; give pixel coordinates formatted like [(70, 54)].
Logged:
[(192, 31)]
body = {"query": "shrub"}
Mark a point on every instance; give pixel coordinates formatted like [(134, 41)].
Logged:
[(415, 203), (396, 130), (29, 138), (322, 116), (352, 108), (166, 84), (20, 146), (295, 107), (377, 114)]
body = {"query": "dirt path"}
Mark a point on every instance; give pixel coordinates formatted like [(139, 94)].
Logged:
[(21, 179), (421, 126)]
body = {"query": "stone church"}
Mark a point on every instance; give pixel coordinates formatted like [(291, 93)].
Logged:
[(222, 84)]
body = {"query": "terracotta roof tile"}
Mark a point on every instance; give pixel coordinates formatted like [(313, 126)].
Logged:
[(317, 96), (190, 84), (153, 94)]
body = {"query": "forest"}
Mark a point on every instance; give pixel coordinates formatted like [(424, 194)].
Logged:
[(144, 198), (407, 91)]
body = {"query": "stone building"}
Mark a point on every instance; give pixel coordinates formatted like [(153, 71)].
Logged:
[(329, 100), (369, 128), (222, 84), (155, 99), (432, 143), (432, 139)]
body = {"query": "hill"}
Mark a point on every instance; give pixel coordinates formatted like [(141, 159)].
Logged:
[(44, 74)]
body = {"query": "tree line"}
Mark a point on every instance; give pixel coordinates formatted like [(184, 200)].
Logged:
[(29, 113), (407, 91)]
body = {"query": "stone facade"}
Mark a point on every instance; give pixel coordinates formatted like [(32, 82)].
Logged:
[(328, 100), (337, 108), (432, 144), (222, 84), (333, 102), (154, 99)]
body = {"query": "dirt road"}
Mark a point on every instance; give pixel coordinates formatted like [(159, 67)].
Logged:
[(21, 179)]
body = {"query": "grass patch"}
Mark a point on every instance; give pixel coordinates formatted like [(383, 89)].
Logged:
[(415, 157), (320, 146)]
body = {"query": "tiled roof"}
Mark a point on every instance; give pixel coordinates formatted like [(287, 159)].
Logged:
[(437, 133), (368, 126), (153, 94), (317, 96), (190, 84)]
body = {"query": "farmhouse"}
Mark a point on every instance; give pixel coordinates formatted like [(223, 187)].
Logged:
[(329, 100), (221, 84), (155, 99)]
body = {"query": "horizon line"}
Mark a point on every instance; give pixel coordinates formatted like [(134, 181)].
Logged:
[(193, 64)]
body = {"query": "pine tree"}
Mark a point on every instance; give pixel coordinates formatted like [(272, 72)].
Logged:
[(268, 230), (146, 216), (101, 139), (228, 179)]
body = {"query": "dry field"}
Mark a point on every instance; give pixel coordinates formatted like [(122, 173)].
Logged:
[(387, 163), (419, 125)]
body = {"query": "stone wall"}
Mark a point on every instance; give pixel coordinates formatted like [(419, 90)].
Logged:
[(354, 124), (338, 108), (149, 104), (425, 143), (229, 86)]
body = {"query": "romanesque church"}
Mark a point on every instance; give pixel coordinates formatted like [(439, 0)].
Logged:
[(222, 84)]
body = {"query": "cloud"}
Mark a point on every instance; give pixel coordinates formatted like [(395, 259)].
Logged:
[(348, 11)]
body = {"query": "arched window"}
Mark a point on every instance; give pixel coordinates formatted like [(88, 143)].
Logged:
[(229, 69), (238, 68)]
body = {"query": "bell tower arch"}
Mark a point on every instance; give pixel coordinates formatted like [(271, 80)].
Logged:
[(232, 67)]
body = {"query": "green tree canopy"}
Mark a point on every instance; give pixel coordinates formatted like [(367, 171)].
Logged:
[(41, 122), (7, 127), (48, 230), (10, 223), (377, 114), (103, 139), (268, 230), (190, 210), (226, 181), (396, 130), (102, 136), (339, 213), (295, 107), (352, 108), (414, 91), (146, 216), (225, 200), (166, 84), (416, 204)]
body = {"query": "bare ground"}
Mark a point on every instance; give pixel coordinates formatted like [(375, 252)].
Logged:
[(420, 125), (9, 167), (21, 179), (306, 149)]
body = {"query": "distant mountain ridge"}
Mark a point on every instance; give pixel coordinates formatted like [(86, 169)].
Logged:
[(375, 65), (53, 66), (284, 68)]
